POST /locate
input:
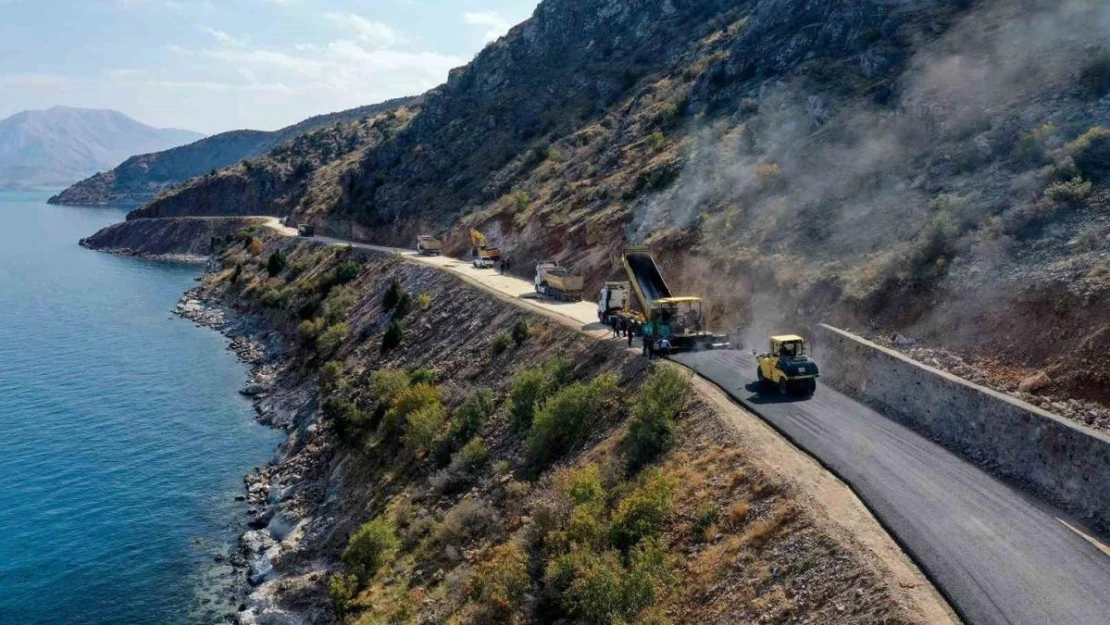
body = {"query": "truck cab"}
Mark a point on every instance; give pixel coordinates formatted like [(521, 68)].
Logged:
[(787, 366), (306, 230), (614, 298)]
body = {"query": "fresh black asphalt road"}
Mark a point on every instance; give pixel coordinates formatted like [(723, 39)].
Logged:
[(999, 556)]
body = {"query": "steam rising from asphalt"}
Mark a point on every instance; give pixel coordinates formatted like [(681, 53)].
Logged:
[(831, 189)]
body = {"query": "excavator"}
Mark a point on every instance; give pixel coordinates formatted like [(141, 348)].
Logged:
[(485, 256), (678, 323)]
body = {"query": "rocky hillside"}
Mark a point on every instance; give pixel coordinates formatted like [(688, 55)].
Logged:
[(190, 239), (937, 168), (453, 459), (142, 178), (53, 148)]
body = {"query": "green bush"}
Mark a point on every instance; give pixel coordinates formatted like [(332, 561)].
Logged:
[(1091, 153), (350, 423), (463, 468), (387, 384), (338, 305), (1095, 77), (309, 329), (347, 271), (404, 306), (331, 377), (500, 344), (394, 334), (596, 587), (370, 547), (1031, 148), (532, 386), (423, 427), (705, 519), (276, 263), (468, 520), (333, 338), (520, 332), (407, 402), (1071, 192), (566, 418), (502, 581), (422, 376), (276, 298), (656, 141), (471, 416), (343, 590), (651, 430), (643, 512)]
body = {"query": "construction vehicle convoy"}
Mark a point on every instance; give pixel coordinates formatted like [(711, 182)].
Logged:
[(787, 366), (306, 230), (485, 256), (556, 282), (664, 322), (427, 245)]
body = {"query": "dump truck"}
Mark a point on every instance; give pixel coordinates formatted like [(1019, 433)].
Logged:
[(554, 281), (659, 315), (306, 230), (787, 367), (427, 245), (484, 255), (612, 300)]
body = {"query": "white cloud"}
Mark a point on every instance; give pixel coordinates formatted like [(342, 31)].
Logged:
[(373, 33), (224, 38), (493, 23)]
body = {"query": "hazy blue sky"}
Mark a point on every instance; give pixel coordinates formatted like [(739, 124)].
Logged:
[(215, 65)]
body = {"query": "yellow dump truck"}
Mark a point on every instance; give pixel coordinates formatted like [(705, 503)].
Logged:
[(427, 245), (556, 282)]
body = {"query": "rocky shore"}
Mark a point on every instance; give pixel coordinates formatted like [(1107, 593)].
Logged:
[(274, 525)]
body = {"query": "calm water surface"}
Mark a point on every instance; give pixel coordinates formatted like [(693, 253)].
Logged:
[(123, 440)]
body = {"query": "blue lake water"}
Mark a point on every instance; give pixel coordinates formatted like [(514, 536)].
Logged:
[(123, 441)]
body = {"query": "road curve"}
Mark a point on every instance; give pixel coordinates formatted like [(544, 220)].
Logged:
[(1001, 557)]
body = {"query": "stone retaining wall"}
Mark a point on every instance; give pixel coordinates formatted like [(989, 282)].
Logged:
[(1058, 460)]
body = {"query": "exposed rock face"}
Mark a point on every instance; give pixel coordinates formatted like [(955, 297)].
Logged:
[(142, 178), (183, 239)]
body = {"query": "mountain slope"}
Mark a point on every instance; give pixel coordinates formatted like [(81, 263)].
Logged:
[(141, 178), (937, 168), (47, 149)]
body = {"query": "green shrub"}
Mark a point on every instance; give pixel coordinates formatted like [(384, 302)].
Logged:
[(584, 486), (502, 581), (422, 376), (370, 547), (500, 344), (1091, 153), (643, 512), (520, 332), (472, 457), (404, 306), (1071, 192), (424, 301), (350, 423), (471, 416), (597, 588), (276, 298), (651, 430), (298, 269), (705, 519), (566, 418), (394, 334), (656, 141), (532, 386), (333, 338), (338, 305), (309, 329), (1031, 148), (423, 427), (343, 590), (408, 402), (331, 377), (468, 520), (347, 271), (276, 263), (387, 384)]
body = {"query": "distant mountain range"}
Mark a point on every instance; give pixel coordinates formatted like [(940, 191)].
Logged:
[(56, 147), (142, 178)]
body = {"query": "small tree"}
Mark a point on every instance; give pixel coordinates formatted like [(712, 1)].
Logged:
[(347, 271), (276, 263), (392, 294), (520, 332), (394, 334), (651, 431), (471, 417), (370, 547)]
